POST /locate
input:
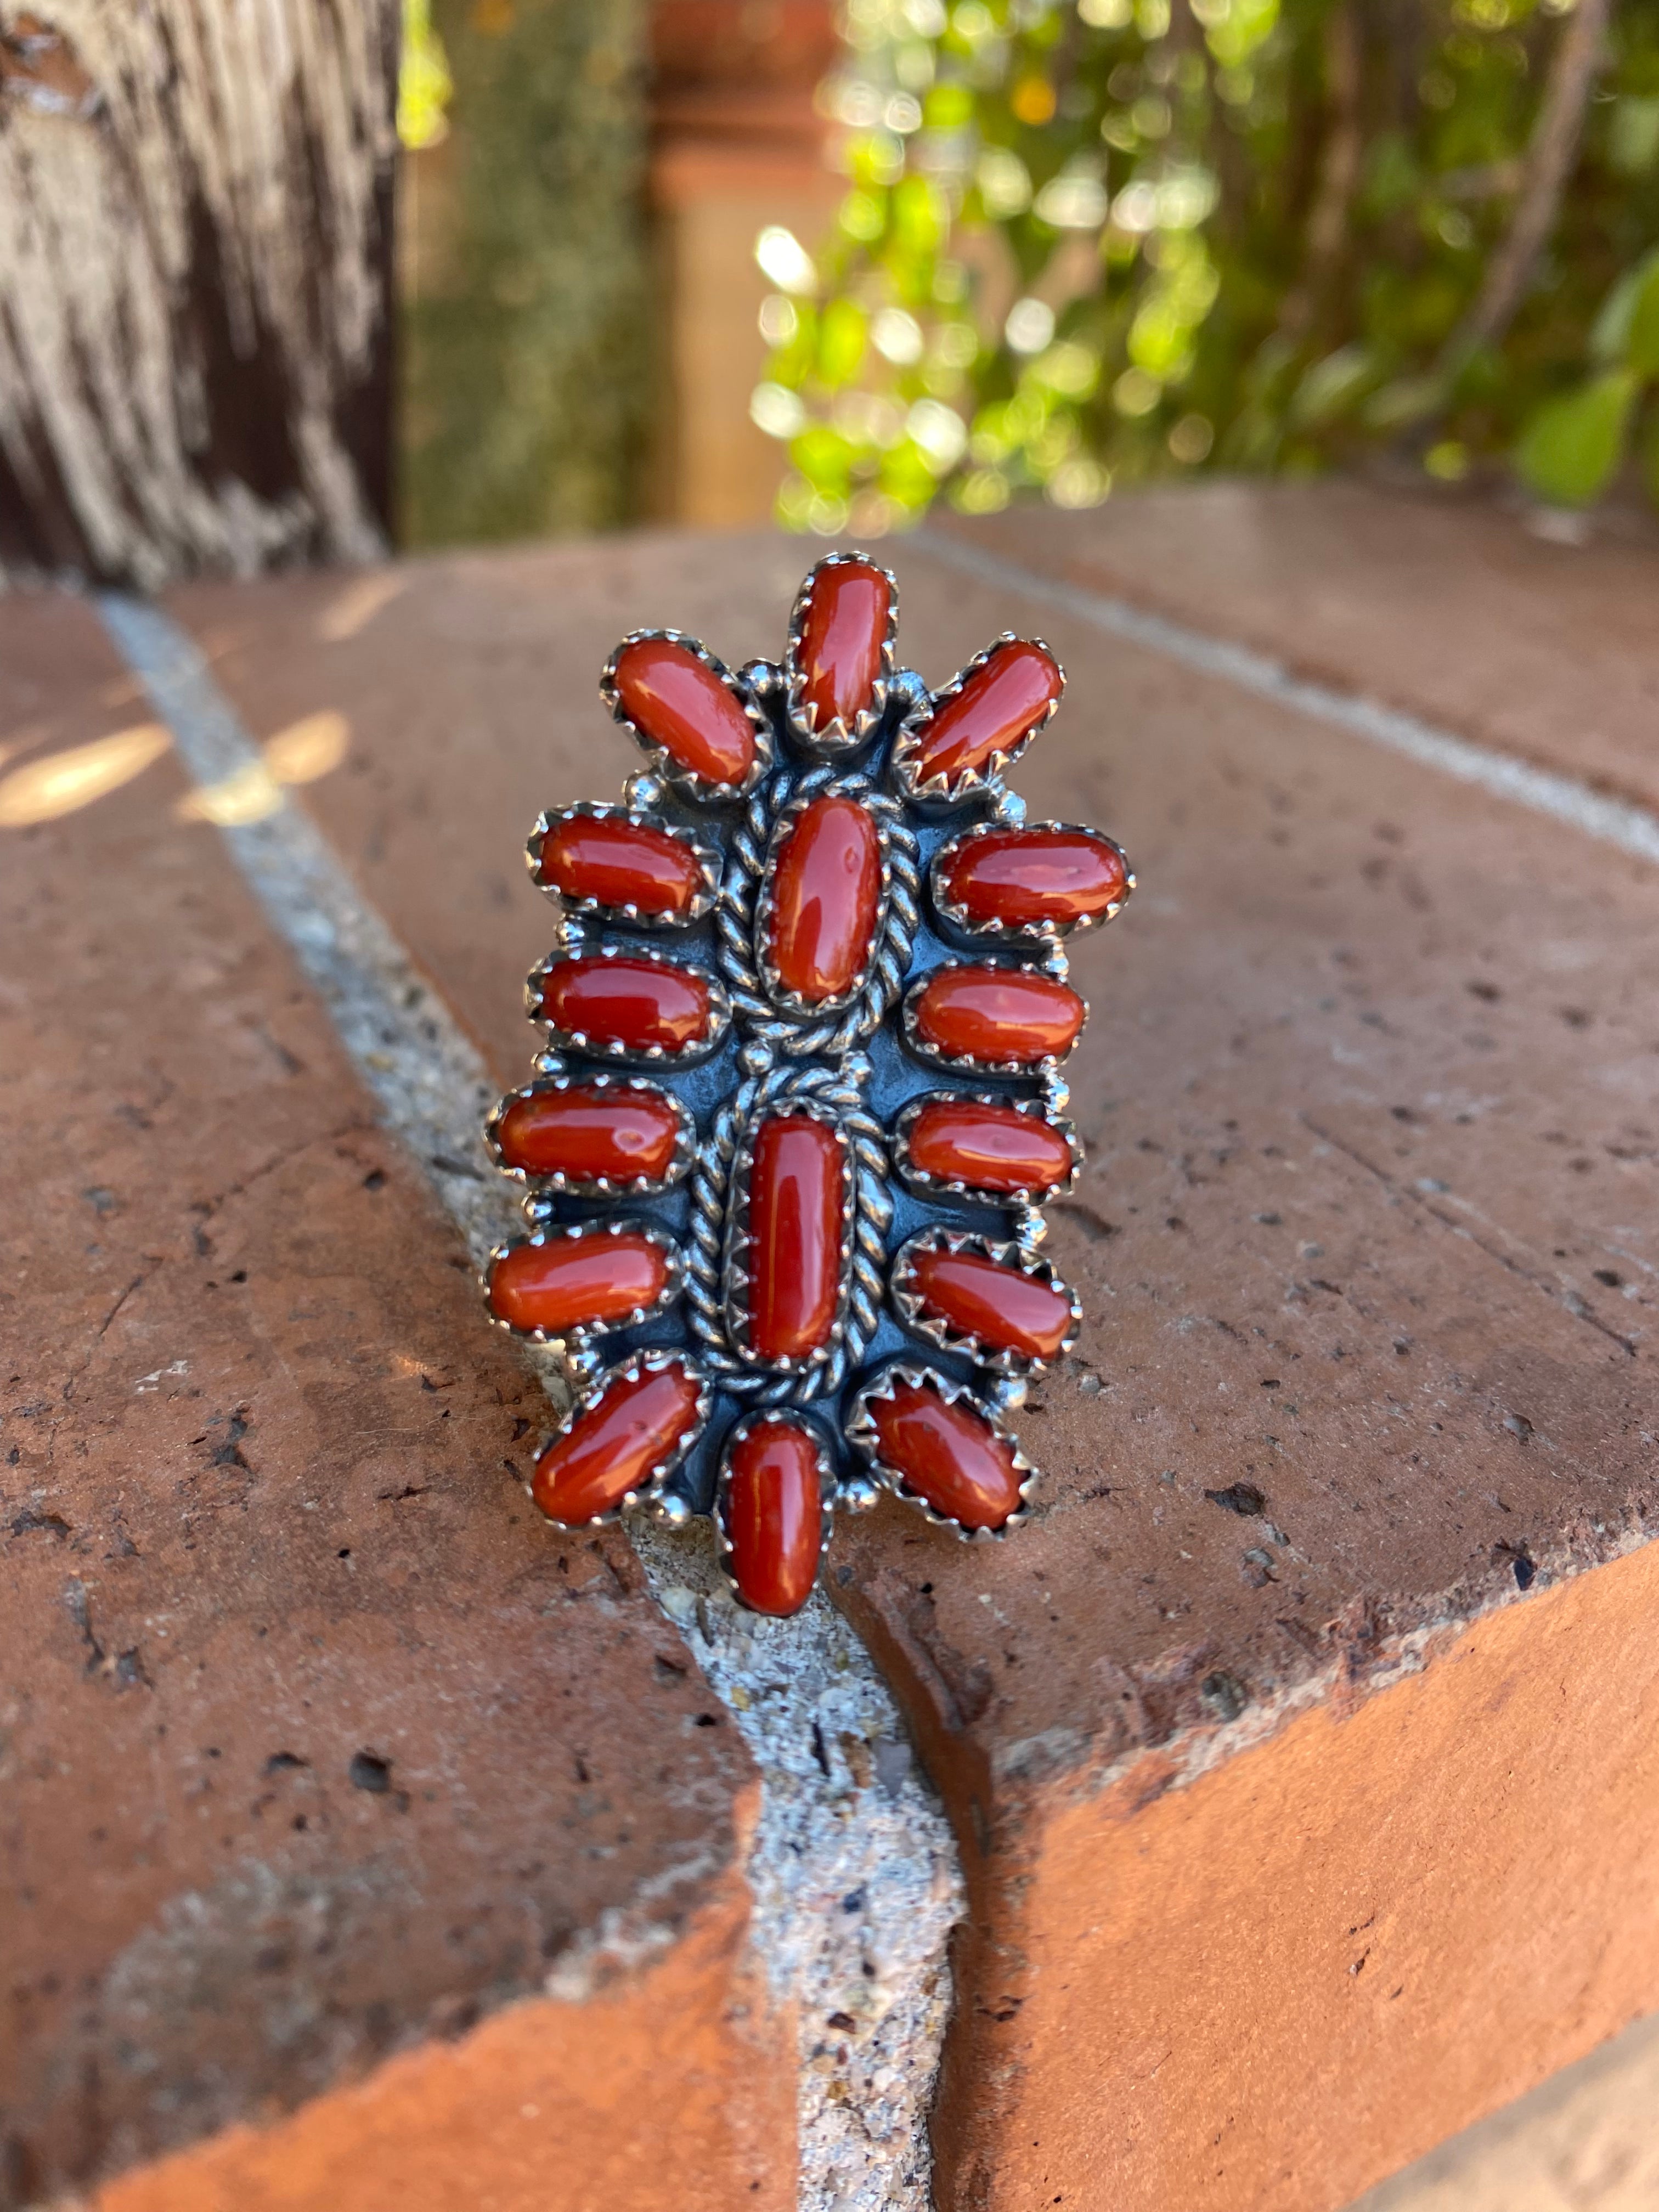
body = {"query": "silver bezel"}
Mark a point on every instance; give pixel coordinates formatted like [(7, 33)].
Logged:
[(700, 789), (784, 1417), (584, 1332), (933, 1187), (1021, 932), (734, 1273), (707, 859), (802, 1032), (862, 1435), (804, 796), (685, 1139), (640, 1363), (972, 782), (938, 1331), (835, 740), (651, 1055), (960, 1062)]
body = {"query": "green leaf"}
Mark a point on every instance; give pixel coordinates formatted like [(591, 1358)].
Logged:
[(948, 107), (841, 333), (1610, 332), (1572, 446), (1641, 339), (1401, 403), (1331, 386), (1633, 135), (824, 458)]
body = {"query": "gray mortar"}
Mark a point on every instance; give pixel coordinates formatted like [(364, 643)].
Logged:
[(853, 1871), (1568, 799)]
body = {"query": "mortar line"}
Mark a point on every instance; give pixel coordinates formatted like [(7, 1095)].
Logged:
[(853, 1871), (1619, 822)]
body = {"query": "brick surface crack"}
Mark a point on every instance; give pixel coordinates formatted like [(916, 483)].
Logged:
[(1568, 1301)]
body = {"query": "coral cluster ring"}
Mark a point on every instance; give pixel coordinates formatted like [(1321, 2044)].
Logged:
[(786, 1150)]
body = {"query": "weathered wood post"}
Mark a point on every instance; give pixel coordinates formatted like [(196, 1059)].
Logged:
[(195, 262)]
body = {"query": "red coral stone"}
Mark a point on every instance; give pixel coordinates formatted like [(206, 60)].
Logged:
[(1024, 878), (571, 1280), (620, 863), (679, 704), (842, 637), (794, 1236), (998, 1014), (634, 1004), (773, 1516), (987, 1147), (1004, 699), (1003, 1307), (948, 1454), (826, 889), (590, 1134), (611, 1448)]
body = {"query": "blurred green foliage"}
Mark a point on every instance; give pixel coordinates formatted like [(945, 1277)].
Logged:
[(525, 304), (1088, 241), (425, 87)]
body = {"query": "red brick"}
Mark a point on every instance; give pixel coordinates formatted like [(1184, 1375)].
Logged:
[(1367, 1094), (320, 1746), (1442, 604)]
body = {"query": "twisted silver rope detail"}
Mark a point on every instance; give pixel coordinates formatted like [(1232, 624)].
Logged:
[(837, 1088), (734, 917)]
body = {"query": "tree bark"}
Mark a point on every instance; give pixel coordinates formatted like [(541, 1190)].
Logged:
[(1326, 237), (195, 272), (1579, 55)]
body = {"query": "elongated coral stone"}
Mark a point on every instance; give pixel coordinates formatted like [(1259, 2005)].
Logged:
[(826, 890), (1003, 1307), (612, 1447), (794, 1236), (632, 1003), (773, 1516), (987, 1147), (996, 1015), (620, 863), (842, 636), (679, 704), (1025, 877), (1001, 703), (590, 1134), (571, 1281), (948, 1454)]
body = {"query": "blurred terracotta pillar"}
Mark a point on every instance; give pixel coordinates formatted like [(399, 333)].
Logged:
[(735, 144)]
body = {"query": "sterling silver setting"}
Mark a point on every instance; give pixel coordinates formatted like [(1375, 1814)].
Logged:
[(744, 1427), (966, 1063), (910, 1309), (598, 1231), (882, 813), (798, 1026), (575, 947), (862, 1435), (1044, 932), (937, 791), (836, 740), (735, 1277), (588, 1401), (706, 855), (855, 1063), (560, 1185), (718, 1309), (701, 790), (936, 1187)]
